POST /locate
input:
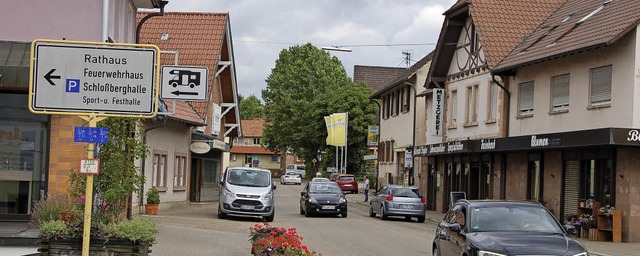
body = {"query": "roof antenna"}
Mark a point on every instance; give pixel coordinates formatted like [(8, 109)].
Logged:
[(407, 58)]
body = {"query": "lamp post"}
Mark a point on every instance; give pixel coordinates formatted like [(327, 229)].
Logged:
[(413, 132)]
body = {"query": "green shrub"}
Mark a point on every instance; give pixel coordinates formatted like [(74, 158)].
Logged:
[(152, 196), (142, 230), (54, 228)]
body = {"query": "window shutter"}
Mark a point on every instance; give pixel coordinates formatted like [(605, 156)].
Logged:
[(571, 187), (560, 97), (601, 84), (526, 97)]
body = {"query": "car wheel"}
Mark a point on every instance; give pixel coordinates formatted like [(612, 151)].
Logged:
[(307, 213), (436, 252), (371, 213), (270, 217), (355, 191), (382, 214), (221, 215), (421, 219), (344, 214), (407, 218)]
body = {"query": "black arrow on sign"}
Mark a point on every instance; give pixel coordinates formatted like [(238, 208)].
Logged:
[(178, 93), (50, 76)]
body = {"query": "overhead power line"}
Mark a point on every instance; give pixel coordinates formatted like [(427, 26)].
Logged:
[(335, 45)]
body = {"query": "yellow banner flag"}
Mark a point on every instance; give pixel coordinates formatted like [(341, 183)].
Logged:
[(339, 129), (328, 122)]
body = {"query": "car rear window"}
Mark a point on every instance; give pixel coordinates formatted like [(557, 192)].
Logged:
[(406, 192), (346, 178), (292, 173), (300, 167)]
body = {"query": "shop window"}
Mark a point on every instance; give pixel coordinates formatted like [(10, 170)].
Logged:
[(597, 181), (534, 177)]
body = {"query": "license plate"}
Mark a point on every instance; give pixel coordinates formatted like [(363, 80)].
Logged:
[(247, 207), (328, 207), (406, 206)]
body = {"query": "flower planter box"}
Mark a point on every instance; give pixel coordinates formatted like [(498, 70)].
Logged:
[(98, 247)]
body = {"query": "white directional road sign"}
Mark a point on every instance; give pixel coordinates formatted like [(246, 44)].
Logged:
[(184, 83), (84, 77)]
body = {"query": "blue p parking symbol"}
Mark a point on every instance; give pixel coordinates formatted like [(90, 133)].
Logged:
[(73, 85)]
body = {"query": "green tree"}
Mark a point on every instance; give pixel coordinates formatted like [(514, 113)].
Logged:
[(305, 85), (251, 107)]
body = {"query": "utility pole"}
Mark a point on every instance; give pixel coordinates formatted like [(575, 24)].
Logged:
[(407, 58)]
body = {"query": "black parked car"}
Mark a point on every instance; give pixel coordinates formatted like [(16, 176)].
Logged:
[(500, 228), (322, 197)]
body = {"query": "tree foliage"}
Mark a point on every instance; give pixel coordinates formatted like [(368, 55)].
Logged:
[(251, 107), (305, 85)]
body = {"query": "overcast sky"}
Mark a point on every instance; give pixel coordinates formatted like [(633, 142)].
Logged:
[(377, 31)]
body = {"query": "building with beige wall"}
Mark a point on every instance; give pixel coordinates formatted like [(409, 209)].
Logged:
[(248, 150)]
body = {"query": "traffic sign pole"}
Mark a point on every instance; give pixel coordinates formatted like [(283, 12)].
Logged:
[(88, 193)]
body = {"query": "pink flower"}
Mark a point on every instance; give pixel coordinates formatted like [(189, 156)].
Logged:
[(80, 200)]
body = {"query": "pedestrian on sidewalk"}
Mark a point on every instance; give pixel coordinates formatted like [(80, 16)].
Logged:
[(366, 188)]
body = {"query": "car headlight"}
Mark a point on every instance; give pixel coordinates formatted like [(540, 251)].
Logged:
[(228, 193), (313, 200), (486, 253), (268, 195), (342, 200), (581, 254)]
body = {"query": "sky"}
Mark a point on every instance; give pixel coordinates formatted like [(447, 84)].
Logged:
[(377, 31)]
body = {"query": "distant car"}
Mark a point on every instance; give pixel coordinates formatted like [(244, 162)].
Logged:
[(297, 168), (398, 200), (322, 197), (319, 179), (291, 178), (347, 182), (492, 227)]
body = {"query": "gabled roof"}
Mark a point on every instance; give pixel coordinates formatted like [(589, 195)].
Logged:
[(571, 29), (500, 25), (408, 73), (252, 128), (375, 77), (200, 39)]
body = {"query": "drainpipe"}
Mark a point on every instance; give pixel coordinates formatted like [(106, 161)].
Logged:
[(149, 16), (413, 132), (503, 159)]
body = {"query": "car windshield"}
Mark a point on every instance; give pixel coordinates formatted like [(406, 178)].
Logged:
[(406, 192), (513, 218), (324, 188), (346, 178), (250, 178)]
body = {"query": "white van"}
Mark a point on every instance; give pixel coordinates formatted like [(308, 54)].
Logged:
[(247, 191), (297, 168)]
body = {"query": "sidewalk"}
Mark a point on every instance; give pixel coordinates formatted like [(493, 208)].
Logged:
[(595, 248)]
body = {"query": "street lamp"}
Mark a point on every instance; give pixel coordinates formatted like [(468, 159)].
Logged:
[(336, 48)]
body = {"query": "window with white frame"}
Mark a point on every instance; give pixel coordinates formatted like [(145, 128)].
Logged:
[(453, 106), (275, 158), (256, 141), (233, 157), (159, 178), (560, 92), (180, 171), (525, 98), (395, 103), (238, 140), (385, 108), (475, 42), (406, 99), (601, 85), (471, 115), (492, 107)]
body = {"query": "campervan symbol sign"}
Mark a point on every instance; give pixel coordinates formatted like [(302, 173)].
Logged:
[(184, 83)]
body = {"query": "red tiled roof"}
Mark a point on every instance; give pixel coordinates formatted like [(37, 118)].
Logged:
[(375, 77), (502, 25), (183, 112), (255, 150), (252, 128), (198, 39), (557, 37)]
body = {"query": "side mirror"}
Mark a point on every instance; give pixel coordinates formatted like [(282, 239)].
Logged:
[(455, 227), (303, 194), (222, 183), (571, 229)]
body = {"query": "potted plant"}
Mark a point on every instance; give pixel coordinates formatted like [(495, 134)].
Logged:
[(153, 200), (60, 218)]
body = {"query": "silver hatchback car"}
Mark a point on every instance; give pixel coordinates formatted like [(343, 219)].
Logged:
[(398, 200)]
